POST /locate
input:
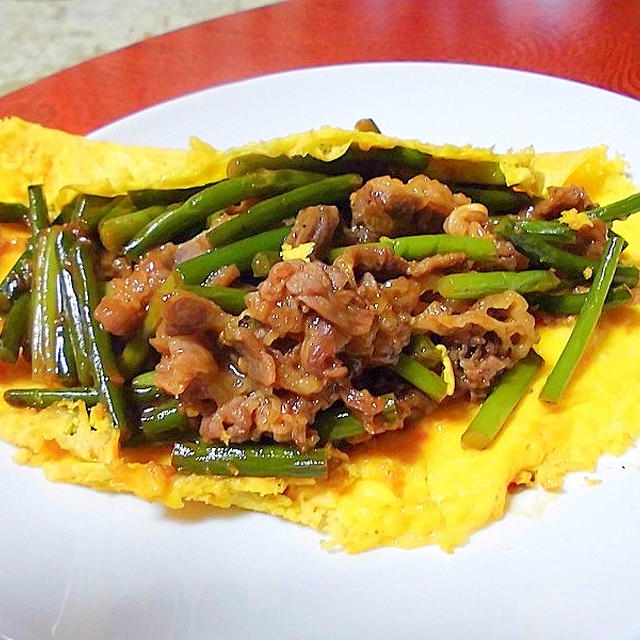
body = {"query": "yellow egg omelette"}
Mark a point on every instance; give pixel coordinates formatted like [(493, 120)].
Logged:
[(408, 488)]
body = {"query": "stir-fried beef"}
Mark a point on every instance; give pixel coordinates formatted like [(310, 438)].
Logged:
[(468, 220), (408, 403), (294, 289), (185, 313), (223, 371), (185, 338), (381, 261), (315, 224), (562, 199), (313, 333), (388, 207), (477, 359), (508, 257), (394, 302), (186, 361), (262, 413), (122, 310), (372, 410), (191, 248), (505, 314), (472, 221), (437, 265), (225, 276), (485, 337), (309, 329), (594, 237), (253, 358)]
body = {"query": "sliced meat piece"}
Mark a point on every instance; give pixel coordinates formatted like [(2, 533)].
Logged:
[(395, 303), (380, 261), (389, 207), (344, 309), (437, 265), (371, 410), (272, 304), (224, 277), (561, 199), (472, 221), (247, 418), (505, 314), (186, 313), (191, 248), (122, 310), (320, 347), (185, 361), (315, 224), (253, 358), (594, 236), (294, 377), (477, 359), (467, 220), (482, 338)]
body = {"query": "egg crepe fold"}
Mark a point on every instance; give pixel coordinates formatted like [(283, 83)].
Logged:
[(408, 488)]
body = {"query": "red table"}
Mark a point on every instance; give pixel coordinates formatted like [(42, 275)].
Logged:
[(593, 41)]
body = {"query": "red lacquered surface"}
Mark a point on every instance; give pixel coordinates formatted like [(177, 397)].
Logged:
[(593, 41)]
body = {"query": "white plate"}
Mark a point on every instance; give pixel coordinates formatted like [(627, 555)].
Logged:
[(78, 564)]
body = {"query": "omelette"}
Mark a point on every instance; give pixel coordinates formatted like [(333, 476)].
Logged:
[(403, 487)]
